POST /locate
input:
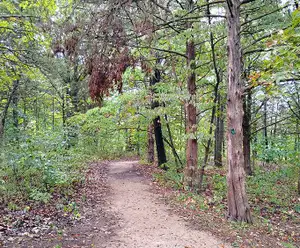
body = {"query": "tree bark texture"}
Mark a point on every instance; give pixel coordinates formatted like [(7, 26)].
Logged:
[(150, 157), (238, 206), (191, 122)]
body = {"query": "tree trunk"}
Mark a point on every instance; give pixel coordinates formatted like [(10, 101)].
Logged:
[(1, 128), (192, 144), (74, 86), (150, 157), (15, 100), (247, 133), (160, 148), (5, 111), (219, 135), (175, 154), (216, 93), (265, 124), (238, 206), (53, 113), (299, 183)]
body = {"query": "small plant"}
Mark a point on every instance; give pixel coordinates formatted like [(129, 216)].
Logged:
[(40, 196)]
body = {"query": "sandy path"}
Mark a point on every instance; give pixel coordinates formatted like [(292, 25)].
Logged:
[(145, 222)]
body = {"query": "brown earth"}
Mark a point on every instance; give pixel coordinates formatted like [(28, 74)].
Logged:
[(120, 209)]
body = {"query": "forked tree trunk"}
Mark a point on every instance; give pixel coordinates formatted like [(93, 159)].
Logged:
[(160, 148), (238, 206), (150, 157), (247, 133)]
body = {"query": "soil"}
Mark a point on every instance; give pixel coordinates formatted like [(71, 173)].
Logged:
[(120, 209)]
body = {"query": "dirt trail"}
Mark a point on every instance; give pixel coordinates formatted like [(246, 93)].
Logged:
[(120, 211), (145, 222)]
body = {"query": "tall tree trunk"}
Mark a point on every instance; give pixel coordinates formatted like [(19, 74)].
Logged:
[(238, 206), (216, 93), (15, 101), (53, 113), (36, 113), (5, 111), (191, 121), (247, 133), (265, 124), (265, 129), (150, 153), (63, 109), (276, 119), (74, 87), (160, 148), (219, 135)]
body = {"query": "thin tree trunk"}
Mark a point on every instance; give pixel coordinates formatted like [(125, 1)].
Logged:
[(191, 121), (63, 110), (265, 125), (247, 133), (74, 91), (176, 157), (219, 135), (299, 183), (36, 112), (53, 113), (5, 111), (276, 119), (15, 101), (297, 145), (238, 206), (213, 112), (150, 146)]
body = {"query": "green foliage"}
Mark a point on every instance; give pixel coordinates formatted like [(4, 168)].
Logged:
[(276, 187), (281, 149), (170, 178), (34, 166), (272, 190)]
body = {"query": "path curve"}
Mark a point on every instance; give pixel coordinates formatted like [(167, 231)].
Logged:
[(144, 220)]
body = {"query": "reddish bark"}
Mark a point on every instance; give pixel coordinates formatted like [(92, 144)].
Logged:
[(238, 206)]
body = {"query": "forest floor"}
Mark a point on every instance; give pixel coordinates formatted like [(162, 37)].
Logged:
[(119, 207)]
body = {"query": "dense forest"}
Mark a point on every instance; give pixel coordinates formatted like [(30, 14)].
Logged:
[(206, 90)]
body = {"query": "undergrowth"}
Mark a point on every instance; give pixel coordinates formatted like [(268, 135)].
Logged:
[(272, 196), (269, 192)]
